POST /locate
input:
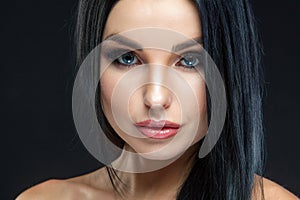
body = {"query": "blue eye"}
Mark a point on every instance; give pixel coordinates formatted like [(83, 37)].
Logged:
[(128, 59), (189, 61)]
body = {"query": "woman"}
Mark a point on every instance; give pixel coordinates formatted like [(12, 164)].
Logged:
[(232, 169)]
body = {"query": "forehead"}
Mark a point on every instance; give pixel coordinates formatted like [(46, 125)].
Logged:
[(177, 15)]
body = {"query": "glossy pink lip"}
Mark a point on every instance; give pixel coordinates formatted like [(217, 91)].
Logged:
[(158, 129)]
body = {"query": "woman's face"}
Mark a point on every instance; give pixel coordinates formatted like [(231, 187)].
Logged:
[(155, 110)]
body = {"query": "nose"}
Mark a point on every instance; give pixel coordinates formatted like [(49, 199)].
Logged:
[(157, 95)]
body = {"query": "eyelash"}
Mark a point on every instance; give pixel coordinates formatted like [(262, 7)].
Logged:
[(117, 61), (131, 53)]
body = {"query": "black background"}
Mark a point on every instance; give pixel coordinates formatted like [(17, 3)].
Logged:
[(38, 138)]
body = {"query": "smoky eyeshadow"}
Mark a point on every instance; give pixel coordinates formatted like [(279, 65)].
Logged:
[(112, 54)]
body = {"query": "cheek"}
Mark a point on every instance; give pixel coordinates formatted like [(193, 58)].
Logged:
[(107, 84), (202, 98), (136, 107), (198, 86)]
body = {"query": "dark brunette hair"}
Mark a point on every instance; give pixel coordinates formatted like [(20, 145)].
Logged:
[(230, 37)]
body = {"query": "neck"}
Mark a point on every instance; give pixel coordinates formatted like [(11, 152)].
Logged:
[(163, 181)]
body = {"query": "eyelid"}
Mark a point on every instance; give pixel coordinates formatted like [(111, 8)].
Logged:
[(197, 54), (129, 65), (193, 53), (113, 54)]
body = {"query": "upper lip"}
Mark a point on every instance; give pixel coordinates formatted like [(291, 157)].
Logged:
[(157, 124)]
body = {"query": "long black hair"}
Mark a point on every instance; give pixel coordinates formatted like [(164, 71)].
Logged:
[(230, 37)]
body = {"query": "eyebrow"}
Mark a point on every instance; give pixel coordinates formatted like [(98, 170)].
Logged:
[(124, 41), (188, 43), (135, 45)]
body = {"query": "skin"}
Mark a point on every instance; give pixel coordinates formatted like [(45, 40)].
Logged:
[(180, 16), (186, 22)]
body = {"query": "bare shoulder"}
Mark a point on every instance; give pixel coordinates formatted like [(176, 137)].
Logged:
[(49, 190), (81, 187), (274, 191)]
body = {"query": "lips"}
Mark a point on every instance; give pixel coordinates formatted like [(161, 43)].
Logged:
[(162, 129)]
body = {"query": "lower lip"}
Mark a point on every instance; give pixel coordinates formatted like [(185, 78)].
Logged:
[(162, 133)]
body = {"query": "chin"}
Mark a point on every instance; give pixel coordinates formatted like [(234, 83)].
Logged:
[(162, 151)]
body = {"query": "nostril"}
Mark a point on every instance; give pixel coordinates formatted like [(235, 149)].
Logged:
[(157, 112), (157, 95)]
